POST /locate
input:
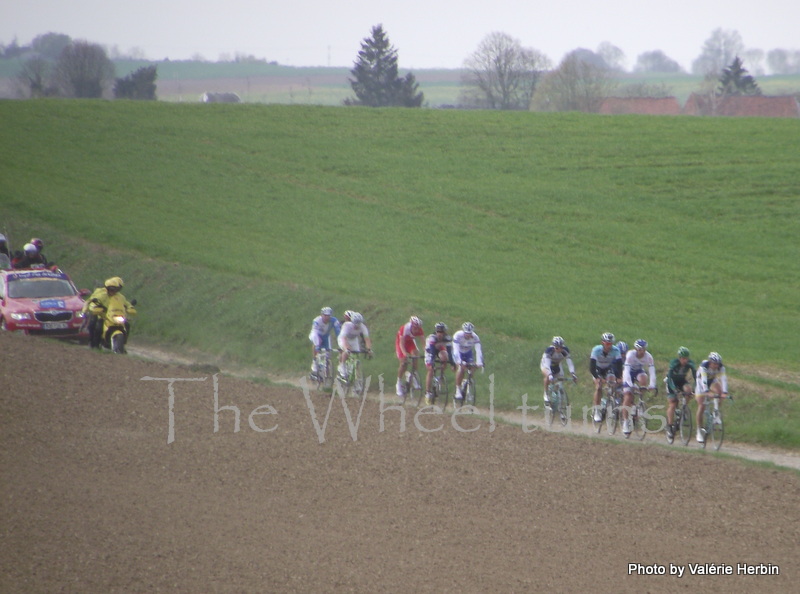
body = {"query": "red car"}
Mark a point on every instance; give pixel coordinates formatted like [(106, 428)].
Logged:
[(41, 302)]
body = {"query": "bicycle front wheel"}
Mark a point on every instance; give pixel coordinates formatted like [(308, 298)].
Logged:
[(550, 407), (717, 430), (685, 425), (440, 391), (612, 418), (640, 422), (415, 388), (357, 386), (469, 393), (563, 406)]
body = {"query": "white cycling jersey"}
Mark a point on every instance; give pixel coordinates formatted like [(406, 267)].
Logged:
[(552, 359), (707, 376), (320, 331), (467, 348), (350, 335), (634, 365)]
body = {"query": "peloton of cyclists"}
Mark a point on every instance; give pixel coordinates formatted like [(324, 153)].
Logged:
[(605, 365), (678, 383), (636, 361), (466, 351), (438, 347), (405, 345), (551, 364), (711, 379)]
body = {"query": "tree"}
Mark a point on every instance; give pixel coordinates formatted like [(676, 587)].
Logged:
[(736, 81), (613, 56), (376, 82), (84, 70), (501, 74), (656, 61), (783, 61), (718, 50), (35, 78), (137, 85), (50, 45), (576, 85)]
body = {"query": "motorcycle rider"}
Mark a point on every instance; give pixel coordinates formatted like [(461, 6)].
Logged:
[(104, 298)]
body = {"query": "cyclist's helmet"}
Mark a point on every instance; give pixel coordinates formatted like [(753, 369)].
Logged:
[(558, 341), (38, 243), (683, 352), (357, 318), (640, 344), (468, 327), (326, 311), (622, 346), (415, 321), (348, 314), (714, 357), (441, 327), (29, 249), (607, 337), (114, 282)]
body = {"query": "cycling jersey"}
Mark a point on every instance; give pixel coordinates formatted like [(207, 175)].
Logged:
[(635, 365), (434, 345), (467, 349), (350, 335), (707, 376), (602, 362), (405, 336), (321, 332), (676, 375), (552, 359)]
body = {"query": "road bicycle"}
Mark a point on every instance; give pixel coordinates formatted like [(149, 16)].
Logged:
[(713, 428), (638, 412), (558, 402), (411, 383), (468, 386), (353, 381), (682, 421), (439, 383), (324, 374), (610, 401)]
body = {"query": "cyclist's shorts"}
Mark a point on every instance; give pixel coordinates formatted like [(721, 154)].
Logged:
[(320, 342), (411, 348), (603, 372), (467, 357), (634, 374)]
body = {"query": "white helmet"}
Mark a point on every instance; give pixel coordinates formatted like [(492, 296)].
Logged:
[(326, 311), (468, 327), (357, 318), (30, 249), (415, 321)]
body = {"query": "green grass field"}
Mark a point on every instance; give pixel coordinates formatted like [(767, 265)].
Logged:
[(233, 225)]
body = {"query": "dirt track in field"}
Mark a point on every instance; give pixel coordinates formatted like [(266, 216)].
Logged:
[(95, 499)]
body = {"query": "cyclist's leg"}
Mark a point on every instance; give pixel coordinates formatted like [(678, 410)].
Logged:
[(701, 409)]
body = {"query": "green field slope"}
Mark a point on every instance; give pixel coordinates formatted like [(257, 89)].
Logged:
[(234, 224)]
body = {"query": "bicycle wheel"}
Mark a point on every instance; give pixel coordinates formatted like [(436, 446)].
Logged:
[(469, 393), (549, 409), (414, 388), (563, 405), (612, 417), (717, 430), (439, 388), (357, 386), (685, 425), (327, 382), (639, 421)]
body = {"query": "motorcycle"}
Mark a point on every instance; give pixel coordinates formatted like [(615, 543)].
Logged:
[(116, 322)]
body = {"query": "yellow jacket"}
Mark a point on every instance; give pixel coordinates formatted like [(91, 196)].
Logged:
[(100, 302)]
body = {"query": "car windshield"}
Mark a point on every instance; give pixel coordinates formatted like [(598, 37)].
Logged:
[(39, 288)]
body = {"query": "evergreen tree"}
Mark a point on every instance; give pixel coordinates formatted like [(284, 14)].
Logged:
[(376, 82), (137, 85), (736, 81)]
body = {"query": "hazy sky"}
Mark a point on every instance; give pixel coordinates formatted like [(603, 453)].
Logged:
[(426, 33)]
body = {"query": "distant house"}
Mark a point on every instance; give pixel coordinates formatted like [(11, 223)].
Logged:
[(642, 105), (220, 98), (785, 106)]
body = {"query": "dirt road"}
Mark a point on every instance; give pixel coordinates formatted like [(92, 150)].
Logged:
[(114, 482)]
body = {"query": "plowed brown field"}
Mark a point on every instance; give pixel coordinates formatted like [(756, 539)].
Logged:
[(96, 498)]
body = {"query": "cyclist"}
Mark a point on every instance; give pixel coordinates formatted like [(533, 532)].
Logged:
[(405, 344), (550, 364), (320, 335), (677, 383), (711, 377), (466, 351), (438, 346), (623, 349), (634, 371), (605, 365), (349, 339)]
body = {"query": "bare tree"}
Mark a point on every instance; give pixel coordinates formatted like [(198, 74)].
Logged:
[(613, 56), (84, 70), (656, 61), (719, 50), (35, 78), (576, 85), (783, 61), (501, 74)]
